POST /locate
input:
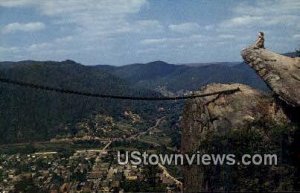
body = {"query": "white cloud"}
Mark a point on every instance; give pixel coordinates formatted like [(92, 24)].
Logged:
[(268, 7), (245, 20), (39, 47), (279, 19), (226, 36), (102, 29), (171, 41), (91, 25), (15, 3), (25, 27), (64, 39), (9, 49), (154, 41), (91, 18), (114, 8), (189, 27), (264, 14), (55, 44), (296, 36), (151, 26), (209, 27)]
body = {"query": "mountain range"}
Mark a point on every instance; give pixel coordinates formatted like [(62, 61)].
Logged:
[(175, 78), (32, 115), (27, 114)]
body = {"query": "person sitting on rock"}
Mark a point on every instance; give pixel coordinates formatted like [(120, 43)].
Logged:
[(260, 42)]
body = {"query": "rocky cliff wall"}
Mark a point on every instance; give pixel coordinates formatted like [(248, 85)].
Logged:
[(281, 73), (245, 110)]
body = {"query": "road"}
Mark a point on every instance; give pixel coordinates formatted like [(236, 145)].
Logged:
[(106, 146), (135, 136), (168, 175), (164, 169), (96, 150)]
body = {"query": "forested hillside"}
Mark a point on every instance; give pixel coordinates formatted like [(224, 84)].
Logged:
[(160, 75), (28, 114)]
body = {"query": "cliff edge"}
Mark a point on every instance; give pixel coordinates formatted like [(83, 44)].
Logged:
[(246, 121), (281, 73), (208, 124)]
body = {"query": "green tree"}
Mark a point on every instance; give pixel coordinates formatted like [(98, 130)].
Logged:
[(298, 52), (27, 185)]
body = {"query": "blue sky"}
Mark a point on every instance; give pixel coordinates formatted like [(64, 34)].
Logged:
[(119, 32)]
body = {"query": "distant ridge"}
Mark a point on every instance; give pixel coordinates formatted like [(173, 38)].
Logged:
[(212, 63), (162, 76)]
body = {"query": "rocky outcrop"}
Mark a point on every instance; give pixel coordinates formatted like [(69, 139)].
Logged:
[(272, 119), (281, 73), (220, 114)]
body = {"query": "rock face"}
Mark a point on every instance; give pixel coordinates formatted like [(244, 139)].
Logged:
[(261, 121), (281, 73), (219, 114)]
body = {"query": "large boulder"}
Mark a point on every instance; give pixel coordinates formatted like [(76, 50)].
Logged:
[(220, 114), (281, 73), (247, 121)]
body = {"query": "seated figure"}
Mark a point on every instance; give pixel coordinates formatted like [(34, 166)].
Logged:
[(260, 42)]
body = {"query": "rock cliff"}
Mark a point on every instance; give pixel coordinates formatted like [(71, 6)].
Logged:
[(220, 115), (251, 121), (281, 73)]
